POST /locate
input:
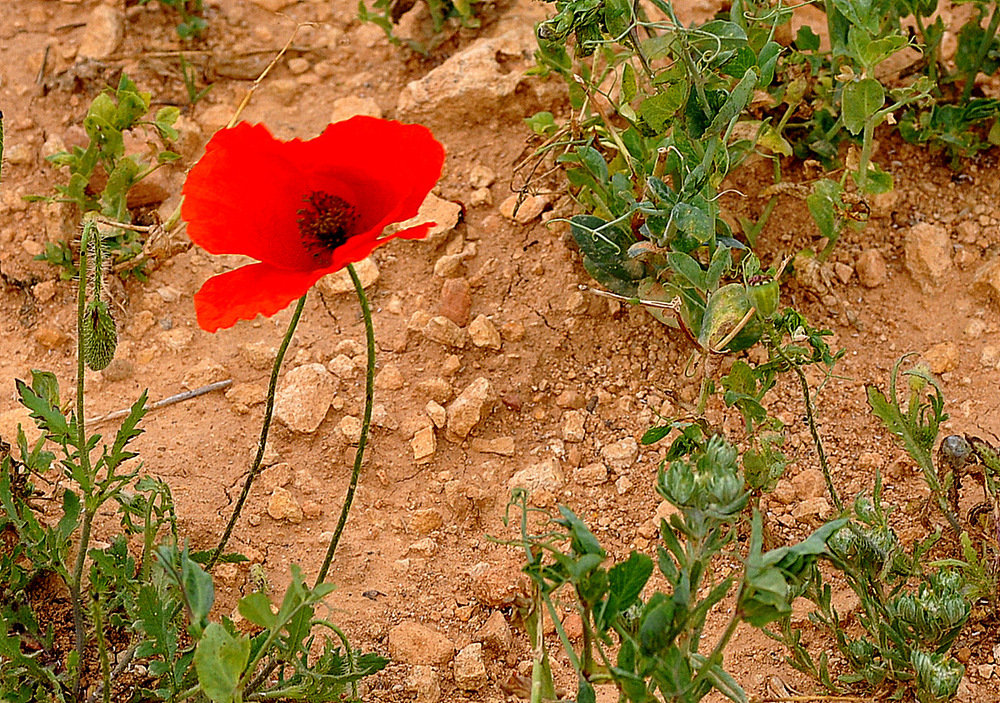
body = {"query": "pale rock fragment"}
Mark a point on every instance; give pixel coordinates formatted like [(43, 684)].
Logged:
[(304, 397), (282, 506), (484, 333), (470, 408), (470, 670), (340, 281)]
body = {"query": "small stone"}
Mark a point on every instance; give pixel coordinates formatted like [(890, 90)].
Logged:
[(425, 521), (342, 366), (449, 265), (413, 643), (19, 154), (103, 33), (543, 476), (470, 408), (340, 281), (470, 670), (591, 474), (504, 446), (177, 340), (424, 444), (273, 5), (942, 357), (298, 65), (843, 272), (259, 355), (987, 282), (530, 208), (424, 681), (456, 300), (168, 294), (443, 331), (484, 333), (573, 426), (479, 197), (871, 268), (810, 509), (496, 585), (118, 370), (50, 337), (352, 105), (437, 413), (513, 330), (418, 320), (451, 365), (809, 483), (620, 455), (571, 399), (244, 396), (52, 146), (495, 633), (350, 427), (481, 176), (304, 398), (282, 506), (443, 213), (623, 485), (425, 548), (437, 389), (206, 371), (990, 356), (975, 328), (390, 378), (928, 254)]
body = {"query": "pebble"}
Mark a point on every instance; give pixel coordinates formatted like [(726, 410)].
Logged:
[(19, 153), (496, 585), (424, 444), (571, 400), (928, 254), (273, 5), (843, 272), (282, 506), (987, 282), (990, 356), (340, 281), (298, 65), (342, 366), (259, 355), (206, 371), (50, 337), (424, 681), (941, 357), (390, 378), (810, 510), (471, 406), (530, 208), (809, 483), (443, 331), (495, 633), (621, 454), (445, 215), (591, 475), (413, 643), (244, 396), (573, 426), (426, 521), (481, 176), (437, 389), (546, 475), (425, 548), (456, 301), (118, 370), (484, 333), (353, 105), (480, 196), (974, 328), (449, 265), (504, 446), (452, 363), (103, 33), (470, 670), (437, 413), (304, 397), (871, 268), (350, 427)]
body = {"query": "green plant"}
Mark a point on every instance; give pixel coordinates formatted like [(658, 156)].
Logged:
[(152, 605), (192, 22), (659, 638), (191, 82), (387, 13), (907, 630), (102, 173)]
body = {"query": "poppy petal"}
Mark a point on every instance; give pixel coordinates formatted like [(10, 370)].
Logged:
[(244, 293), (393, 165), (242, 197)]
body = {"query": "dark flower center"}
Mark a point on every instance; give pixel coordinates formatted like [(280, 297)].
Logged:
[(326, 221)]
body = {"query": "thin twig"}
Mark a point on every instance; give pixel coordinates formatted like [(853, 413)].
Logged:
[(186, 395)]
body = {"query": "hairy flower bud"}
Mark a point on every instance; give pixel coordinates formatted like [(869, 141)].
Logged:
[(99, 336)]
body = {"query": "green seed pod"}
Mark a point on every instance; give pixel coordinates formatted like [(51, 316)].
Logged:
[(99, 336), (764, 297)]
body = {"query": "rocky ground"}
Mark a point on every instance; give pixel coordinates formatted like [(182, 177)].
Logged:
[(494, 369)]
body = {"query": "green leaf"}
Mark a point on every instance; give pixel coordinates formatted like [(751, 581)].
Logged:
[(860, 101), (806, 39), (617, 17), (219, 660), (661, 108), (256, 608), (630, 84), (49, 418), (822, 206), (735, 103), (626, 581), (605, 253)]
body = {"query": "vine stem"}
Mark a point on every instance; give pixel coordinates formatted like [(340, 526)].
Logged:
[(76, 580), (265, 428), (366, 422)]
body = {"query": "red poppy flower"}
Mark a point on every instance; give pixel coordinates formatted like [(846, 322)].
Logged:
[(303, 209)]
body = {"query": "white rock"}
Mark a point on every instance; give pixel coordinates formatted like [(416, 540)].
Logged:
[(470, 408), (340, 281), (304, 397), (103, 34), (484, 333)]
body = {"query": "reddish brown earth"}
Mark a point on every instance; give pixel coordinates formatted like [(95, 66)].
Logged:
[(418, 547)]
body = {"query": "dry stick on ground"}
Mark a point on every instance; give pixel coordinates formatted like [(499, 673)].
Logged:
[(186, 395)]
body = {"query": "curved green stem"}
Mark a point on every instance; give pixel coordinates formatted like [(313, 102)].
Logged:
[(265, 428), (76, 580), (366, 422)]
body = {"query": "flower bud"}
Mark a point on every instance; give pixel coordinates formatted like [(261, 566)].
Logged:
[(99, 336)]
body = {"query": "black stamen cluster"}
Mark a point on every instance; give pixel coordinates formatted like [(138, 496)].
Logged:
[(327, 221)]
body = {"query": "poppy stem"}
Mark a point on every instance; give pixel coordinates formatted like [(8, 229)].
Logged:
[(366, 423), (262, 442)]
